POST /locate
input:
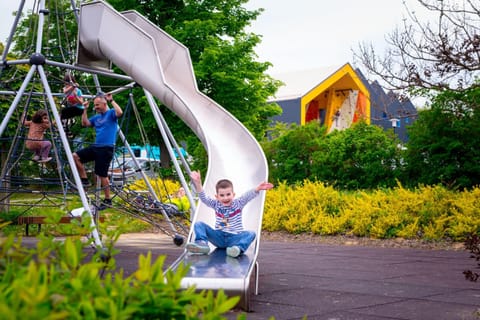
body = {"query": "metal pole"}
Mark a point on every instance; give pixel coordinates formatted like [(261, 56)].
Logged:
[(160, 121), (70, 159), (41, 21)]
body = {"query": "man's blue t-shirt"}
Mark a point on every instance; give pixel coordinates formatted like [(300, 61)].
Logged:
[(105, 128)]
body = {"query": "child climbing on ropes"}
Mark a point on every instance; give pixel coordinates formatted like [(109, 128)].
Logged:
[(35, 139), (228, 232), (73, 105)]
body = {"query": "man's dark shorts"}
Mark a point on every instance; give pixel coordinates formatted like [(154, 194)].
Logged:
[(101, 155)]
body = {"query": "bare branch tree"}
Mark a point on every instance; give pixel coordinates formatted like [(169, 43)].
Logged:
[(444, 54)]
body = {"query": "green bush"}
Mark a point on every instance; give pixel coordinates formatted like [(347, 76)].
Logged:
[(56, 280)]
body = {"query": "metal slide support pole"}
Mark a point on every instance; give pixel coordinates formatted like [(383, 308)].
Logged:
[(123, 88), (175, 161), (97, 83), (257, 267), (88, 70), (145, 178), (158, 118), (138, 167), (130, 151), (174, 142), (69, 155)]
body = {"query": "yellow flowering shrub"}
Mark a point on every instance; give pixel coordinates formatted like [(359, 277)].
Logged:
[(466, 210), (436, 229), (429, 212), (325, 224), (295, 209), (163, 188)]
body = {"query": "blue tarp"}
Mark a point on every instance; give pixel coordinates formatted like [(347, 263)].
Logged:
[(149, 151)]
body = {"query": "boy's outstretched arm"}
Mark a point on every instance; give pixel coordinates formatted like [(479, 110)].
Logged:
[(197, 180), (264, 186)]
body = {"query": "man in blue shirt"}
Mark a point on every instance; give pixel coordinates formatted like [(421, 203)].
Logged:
[(105, 124)]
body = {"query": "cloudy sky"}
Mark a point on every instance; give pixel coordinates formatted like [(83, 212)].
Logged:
[(303, 34), (314, 33)]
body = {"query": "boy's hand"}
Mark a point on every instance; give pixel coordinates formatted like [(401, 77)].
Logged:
[(264, 186), (196, 177), (197, 180)]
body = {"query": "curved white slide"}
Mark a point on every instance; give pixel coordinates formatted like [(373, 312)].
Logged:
[(162, 66)]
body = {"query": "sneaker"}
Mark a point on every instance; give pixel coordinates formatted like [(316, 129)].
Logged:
[(198, 247), (86, 182), (233, 251), (43, 160), (106, 203), (36, 158)]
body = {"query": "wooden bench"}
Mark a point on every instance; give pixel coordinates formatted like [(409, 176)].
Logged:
[(28, 220)]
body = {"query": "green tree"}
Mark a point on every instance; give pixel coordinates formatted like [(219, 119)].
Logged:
[(360, 157), (222, 55), (437, 59), (59, 34), (290, 154), (363, 156), (443, 145)]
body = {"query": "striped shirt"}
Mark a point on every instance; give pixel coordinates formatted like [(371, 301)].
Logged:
[(228, 218)]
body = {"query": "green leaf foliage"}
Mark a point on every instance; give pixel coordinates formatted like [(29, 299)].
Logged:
[(223, 58), (443, 145), (58, 280), (290, 155), (222, 53), (363, 156)]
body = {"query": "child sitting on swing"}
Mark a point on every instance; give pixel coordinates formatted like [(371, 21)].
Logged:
[(35, 139)]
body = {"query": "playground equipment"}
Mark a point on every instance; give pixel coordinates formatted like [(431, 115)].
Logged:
[(163, 69), (36, 86)]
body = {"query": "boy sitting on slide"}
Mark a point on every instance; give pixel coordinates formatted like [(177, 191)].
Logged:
[(228, 232)]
